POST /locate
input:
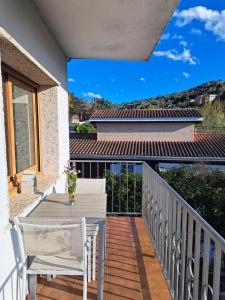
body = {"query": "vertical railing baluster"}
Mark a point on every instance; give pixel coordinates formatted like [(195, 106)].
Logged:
[(190, 259), (159, 226), (135, 183), (164, 229), (173, 239), (112, 193), (120, 192), (127, 186), (97, 166), (178, 251), (197, 260), (170, 218), (82, 169), (183, 254), (205, 268), (216, 271)]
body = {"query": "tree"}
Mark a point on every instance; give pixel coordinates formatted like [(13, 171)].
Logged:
[(124, 191), (100, 103), (203, 189), (214, 116), (84, 128), (71, 105)]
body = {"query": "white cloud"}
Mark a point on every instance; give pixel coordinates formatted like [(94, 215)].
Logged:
[(71, 80), (177, 37), (213, 20), (142, 79), (186, 75), (183, 43), (165, 36), (196, 31), (184, 56), (92, 95)]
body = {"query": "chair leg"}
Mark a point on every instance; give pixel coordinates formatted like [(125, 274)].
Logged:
[(93, 257), (24, 284), (85, 283), (89, 260)]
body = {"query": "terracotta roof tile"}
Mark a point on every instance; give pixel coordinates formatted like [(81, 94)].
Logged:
[(145, 113), (203, 146)]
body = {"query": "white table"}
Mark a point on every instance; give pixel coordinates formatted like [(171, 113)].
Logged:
[(90, 206)]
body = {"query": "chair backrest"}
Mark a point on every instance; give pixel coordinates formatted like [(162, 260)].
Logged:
[(51, 237), (95, 186)]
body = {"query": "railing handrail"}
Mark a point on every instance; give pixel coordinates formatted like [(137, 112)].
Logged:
[(210, 230), (106, 160)]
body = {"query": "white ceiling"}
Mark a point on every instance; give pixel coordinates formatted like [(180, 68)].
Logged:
[(107, 29)]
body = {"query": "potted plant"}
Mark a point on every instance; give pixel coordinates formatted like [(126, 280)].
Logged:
[(71, 182)]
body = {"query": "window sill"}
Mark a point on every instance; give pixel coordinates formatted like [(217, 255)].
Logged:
[(21, 204)]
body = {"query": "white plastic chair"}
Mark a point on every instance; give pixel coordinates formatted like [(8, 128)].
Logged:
[(52, 247), (93, 186), (96, 186)]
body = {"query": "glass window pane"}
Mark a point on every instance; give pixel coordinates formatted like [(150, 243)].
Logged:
[(23, 128)]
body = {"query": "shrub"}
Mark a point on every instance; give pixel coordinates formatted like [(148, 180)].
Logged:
[(84, 128), (204, 190)]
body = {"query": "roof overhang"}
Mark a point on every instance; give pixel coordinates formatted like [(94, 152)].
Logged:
[(122, 120), (107, 29), (147, 157)]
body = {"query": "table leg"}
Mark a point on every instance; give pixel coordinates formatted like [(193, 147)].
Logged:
[(101, 258), (32, 286)]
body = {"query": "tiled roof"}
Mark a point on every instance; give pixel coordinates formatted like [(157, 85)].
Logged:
[(203, 146), (145, 113)]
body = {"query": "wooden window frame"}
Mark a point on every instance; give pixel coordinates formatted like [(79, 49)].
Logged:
[(14, 178)]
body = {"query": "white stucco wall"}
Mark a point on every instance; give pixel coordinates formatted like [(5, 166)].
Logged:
[(54, 130), (22, 21), (22, 26), (152, 131)]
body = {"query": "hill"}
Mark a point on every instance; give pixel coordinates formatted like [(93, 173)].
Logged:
[(194, 97)]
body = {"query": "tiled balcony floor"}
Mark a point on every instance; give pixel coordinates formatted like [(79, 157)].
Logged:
[(131, 270)]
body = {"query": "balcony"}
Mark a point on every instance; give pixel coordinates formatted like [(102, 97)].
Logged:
[(132, 270), (157, 246)]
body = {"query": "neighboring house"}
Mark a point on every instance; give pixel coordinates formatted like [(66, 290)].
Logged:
[(75, 119), (202, 99), (146, 125), (149, 135), (37, 37)]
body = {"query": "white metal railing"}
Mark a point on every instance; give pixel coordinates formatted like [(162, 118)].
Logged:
[(190, 251), (123, 183)]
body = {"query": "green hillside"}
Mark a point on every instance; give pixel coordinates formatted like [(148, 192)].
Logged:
[(194, 97)]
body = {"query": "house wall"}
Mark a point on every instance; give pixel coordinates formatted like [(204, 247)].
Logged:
[(27, 45), (168, 131)]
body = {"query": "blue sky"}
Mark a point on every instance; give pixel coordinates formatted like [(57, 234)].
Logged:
[(190, 52)]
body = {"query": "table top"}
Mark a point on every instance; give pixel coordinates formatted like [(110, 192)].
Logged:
[(86, 205)]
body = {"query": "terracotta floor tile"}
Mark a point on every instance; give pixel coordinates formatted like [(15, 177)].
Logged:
[(132, 272)]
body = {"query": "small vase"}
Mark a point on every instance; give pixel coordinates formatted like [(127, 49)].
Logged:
[(71, 198)]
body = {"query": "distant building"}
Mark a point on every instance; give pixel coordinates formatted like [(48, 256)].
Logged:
[(75, 119), (202, 99), (148, 135), (146, 125)]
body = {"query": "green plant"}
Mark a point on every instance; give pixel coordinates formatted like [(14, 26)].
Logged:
[(124, 192), (203, 189), (71, 179), (84, 128), (214, 117)]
